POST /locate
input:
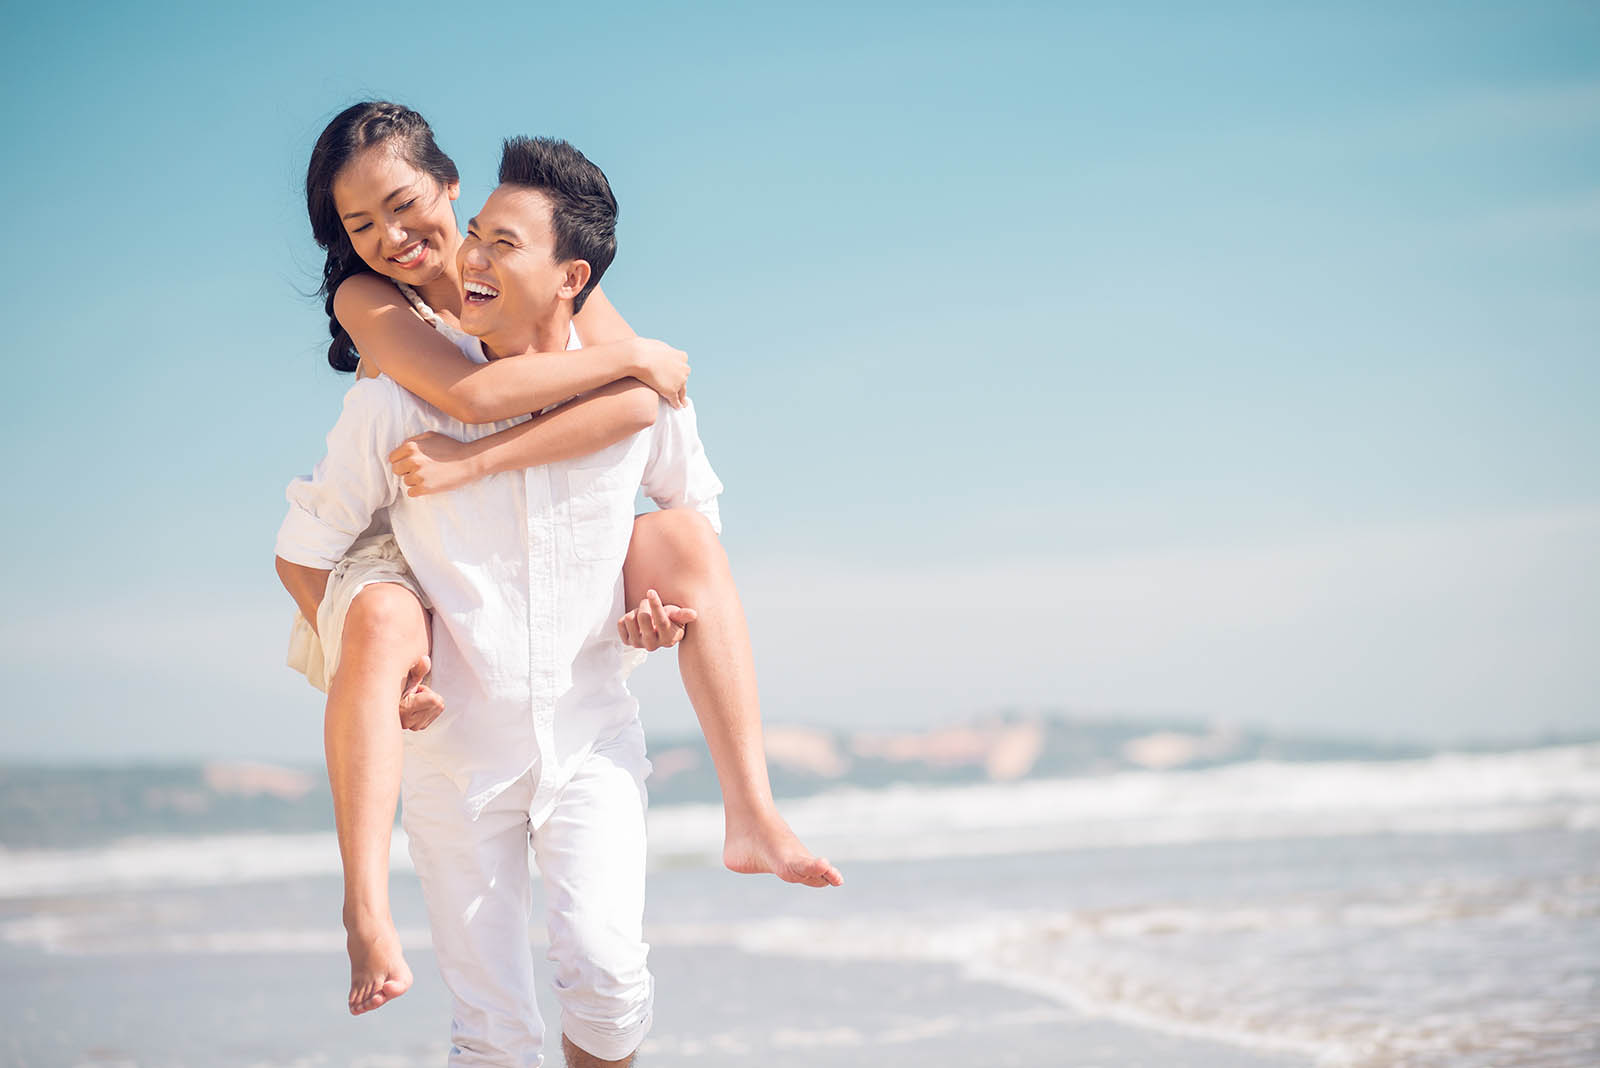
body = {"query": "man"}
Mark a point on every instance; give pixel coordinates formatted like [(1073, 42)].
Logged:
[(541, 741)]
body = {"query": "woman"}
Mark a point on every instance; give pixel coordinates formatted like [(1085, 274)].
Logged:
[(379, 193)]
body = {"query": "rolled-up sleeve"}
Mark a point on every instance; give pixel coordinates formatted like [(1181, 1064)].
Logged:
[(678, 475), (332, 506)]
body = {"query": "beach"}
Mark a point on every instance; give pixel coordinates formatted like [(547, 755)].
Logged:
[(268, 995), (1431, 912)]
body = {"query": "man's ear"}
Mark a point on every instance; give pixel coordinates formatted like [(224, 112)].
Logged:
[(576, 278)]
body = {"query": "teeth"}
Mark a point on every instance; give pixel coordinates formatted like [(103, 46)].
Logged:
[(415, 255), (481, 289)]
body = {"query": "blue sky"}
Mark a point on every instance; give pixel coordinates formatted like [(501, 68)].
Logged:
[(1227, 363)]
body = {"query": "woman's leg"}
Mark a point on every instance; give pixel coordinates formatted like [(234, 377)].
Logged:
[(385, 634), (676, 553)]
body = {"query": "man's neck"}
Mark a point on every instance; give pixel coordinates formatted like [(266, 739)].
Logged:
[(548, 335), (444, 292)]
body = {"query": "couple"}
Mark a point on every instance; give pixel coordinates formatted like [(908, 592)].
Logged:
[(448, 532)]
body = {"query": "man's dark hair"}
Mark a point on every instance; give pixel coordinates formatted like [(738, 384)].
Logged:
[(583, 213)]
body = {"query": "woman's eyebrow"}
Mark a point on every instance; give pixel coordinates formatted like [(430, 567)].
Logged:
[(391, 196)]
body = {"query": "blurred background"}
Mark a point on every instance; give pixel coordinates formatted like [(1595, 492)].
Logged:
[(1161, 466)]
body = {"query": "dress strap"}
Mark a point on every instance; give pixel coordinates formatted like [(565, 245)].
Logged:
[(428, 314), (431, 317)]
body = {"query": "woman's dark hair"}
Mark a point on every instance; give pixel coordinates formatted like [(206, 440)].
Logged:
[(356, 128)]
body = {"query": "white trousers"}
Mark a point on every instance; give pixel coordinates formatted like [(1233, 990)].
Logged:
[(476, 881)]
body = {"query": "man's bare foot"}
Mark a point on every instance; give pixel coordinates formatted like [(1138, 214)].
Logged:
[(378, 969), (765, 845)]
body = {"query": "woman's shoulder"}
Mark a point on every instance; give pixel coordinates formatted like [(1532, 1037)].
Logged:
[(366, 292)]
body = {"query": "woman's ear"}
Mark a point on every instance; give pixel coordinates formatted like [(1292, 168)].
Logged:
[(453, 190)]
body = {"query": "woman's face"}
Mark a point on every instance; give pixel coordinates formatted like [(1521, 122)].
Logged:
[(398, 218)]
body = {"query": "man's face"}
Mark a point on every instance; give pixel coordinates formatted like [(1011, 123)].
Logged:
[(510, 277)]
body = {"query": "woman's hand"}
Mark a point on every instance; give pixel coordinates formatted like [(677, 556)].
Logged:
[(654, 625), (662, 368), (434, 463)]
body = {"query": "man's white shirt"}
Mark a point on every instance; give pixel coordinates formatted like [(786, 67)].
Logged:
[(524, 569)]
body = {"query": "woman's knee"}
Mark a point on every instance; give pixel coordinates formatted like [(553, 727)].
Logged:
[(675, 541), (681, 529), (387, 611)]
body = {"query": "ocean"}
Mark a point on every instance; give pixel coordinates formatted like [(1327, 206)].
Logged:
[(1432, 911)]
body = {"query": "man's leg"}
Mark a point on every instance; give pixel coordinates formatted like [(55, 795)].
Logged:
[(676, 553), (385, 632), (475, 880), (591, 854), (577, 1058)]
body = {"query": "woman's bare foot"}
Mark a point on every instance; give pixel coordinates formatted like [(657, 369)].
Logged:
[(378, 969), (764, 844)]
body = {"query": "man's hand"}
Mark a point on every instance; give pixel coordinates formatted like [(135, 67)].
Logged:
[(419, 706), (654, 625), (433, 463), (662, 368)]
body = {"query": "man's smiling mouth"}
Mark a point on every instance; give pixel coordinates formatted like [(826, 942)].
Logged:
[(479, 292)]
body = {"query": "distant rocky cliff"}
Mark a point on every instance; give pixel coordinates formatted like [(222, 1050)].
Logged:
[(1003, 748)]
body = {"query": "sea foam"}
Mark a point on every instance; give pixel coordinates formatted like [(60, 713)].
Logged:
[(1555, 788)]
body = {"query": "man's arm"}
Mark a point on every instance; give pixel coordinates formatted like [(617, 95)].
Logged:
[(677, 473), (306, 585), (332, 506)]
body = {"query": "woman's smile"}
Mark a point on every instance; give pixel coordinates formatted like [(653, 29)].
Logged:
[(411, 255)]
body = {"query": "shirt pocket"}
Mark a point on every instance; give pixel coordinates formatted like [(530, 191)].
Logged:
[(600, 510)]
